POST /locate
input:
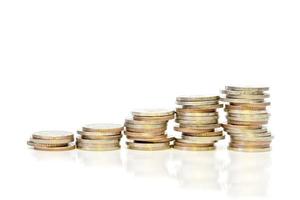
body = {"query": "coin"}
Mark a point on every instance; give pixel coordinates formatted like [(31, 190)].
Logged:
[(197, 118), (57, 141), (97, 148), (246, 112), (201, 107), (148, 146), (85, 133), (146, 126), (158, 119), (234, 88), (242, 92), (197, 98), (31, 143), (152, 112), (204, 134), (250, 149), (254, 139), (197, 110), (97, 142), (197, 103), (53, 135), (262, 105), (194, 148), (196, 114), (247, 101), (191, 130), (101, 137), (248, 96), (246, 123), (143, 130), (200, 127), (145, 135), (64, 148), (242, 127), (153, 140), (103, 127), (146, 122), (197, 122), (201, 139), (178, 143), (246, 107)]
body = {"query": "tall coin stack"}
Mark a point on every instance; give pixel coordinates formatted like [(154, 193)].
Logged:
[(146, 129), (52, 141), (99, 137), (247, 117), (197, 119)]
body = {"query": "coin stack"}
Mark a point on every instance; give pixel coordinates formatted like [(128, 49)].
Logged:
[(52, 141), (146, 130), (99, 137), (247, 117), (197, 119)]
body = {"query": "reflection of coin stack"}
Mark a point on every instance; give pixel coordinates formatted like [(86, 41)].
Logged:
[(52, 141), (99, 137), (146, 130), (198, 122), (246, 118)]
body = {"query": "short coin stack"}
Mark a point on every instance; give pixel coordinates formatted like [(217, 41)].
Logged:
[(198, 121), (146, 130), (99, 137), (52, 141), (247, 117)]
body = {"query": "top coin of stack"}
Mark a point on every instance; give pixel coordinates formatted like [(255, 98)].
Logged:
[(99, 137), (198, 121), (247, 117), (146, 129), (52, 141)]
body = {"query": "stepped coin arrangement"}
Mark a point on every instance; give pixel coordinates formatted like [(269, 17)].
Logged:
[(247, 117), (52, 141), (197, 119), (99, 137), (146, 129)]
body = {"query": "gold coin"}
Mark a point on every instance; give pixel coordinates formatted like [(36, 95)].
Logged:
[(246, 123), (101, 137), (234, 88), (195, 114), (103, 127), (247, 101), (254, 139), (178, 143), (97, 142), (194, 148), (197, 103), (247, 119), (147, 146), (144, 135), (242, 127), (266, 134), (197, 98), (56, 141), (30, 143), (146, 126), (244, 131), (200, 127), (204, 134), (245, 107), (146, 122), (246, 112), (250, 143), (244, 92), (193, 118), (202, 107), (153, 140), (182, 111), (192, 131), (102, 148), (79, 144), (202, 139), (98, 133), (158, 119), (196, 122), (140, 130), (248, 96), (261, 105), (71, 146), (53, 135), (152, 112), (249, 149)]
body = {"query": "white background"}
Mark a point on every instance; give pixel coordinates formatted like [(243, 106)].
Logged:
[(67, 63)]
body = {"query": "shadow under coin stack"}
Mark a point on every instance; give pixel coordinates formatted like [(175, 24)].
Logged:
[(52, 141), (99, 137), (246, 118), (198, 121), (146, 130)]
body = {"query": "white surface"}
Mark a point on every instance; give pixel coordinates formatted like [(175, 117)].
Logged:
[(69, 63)]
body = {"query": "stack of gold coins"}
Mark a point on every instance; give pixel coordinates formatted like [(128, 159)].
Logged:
[(52, 141), (197, 119), (99, 137), (247, 117), (146, 130)]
